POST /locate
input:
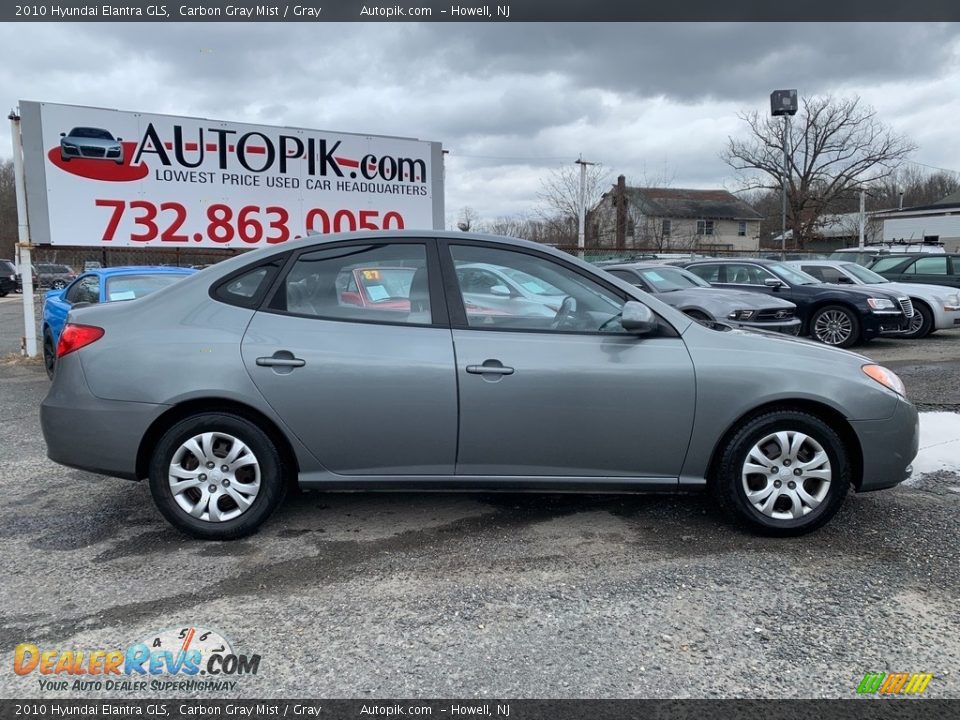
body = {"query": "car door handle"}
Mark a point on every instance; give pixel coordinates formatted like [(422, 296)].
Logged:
[(490, 367), (285, 360)]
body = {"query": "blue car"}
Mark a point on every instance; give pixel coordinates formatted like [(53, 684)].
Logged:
[(99, 286)]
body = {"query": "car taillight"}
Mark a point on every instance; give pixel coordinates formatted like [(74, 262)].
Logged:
[(75, 337)]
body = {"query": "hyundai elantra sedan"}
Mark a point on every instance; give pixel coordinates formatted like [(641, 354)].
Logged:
[(227, 387)]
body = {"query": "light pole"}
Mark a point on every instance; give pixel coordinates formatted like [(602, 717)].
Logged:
[(784, 102), (582, 206)]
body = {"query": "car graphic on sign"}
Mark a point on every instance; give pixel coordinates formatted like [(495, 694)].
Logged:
[(90, 143)]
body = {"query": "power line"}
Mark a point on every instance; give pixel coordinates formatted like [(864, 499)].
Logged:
[(933, 167)]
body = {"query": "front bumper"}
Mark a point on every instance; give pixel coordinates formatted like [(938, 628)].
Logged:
[(85, 432), (787, 327), (889, 447), (885, 323)]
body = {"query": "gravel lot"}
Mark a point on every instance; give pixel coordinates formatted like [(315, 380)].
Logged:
[(417, 595)]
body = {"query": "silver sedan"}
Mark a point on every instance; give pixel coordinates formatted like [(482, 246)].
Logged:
[(701, 301), (221, 392)]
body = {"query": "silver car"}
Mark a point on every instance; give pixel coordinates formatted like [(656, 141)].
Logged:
[(91, 144), (935, 307), (226, 387), (700, 300), (507, 289)]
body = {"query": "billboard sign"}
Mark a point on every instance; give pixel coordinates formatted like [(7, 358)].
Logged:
[(108, 178)]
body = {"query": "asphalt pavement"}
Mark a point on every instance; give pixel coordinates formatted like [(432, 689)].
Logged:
[(511, 596)]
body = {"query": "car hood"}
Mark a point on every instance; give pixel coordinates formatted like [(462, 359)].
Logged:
[(92, 142), (741, 298), (864, 290), (937, 291)]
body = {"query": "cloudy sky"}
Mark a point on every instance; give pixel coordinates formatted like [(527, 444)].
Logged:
[(511, 102)]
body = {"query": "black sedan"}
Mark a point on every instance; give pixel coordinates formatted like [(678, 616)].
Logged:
[(834, 315), (928, 268)]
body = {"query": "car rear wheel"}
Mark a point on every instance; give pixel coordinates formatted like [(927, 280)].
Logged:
[(835, 325), (922, 321), (783, 473), (49, 354), (216, 476), (58, 284)]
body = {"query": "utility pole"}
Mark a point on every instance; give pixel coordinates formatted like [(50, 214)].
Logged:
[(784, 102), (23, 237), (582, 219), (863, 217)]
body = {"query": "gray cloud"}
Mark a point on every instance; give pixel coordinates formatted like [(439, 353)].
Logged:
[(510, 101)]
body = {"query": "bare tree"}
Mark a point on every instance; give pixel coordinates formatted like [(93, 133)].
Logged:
[(836, 146), (8, 210), (560, 198), (467, 219)]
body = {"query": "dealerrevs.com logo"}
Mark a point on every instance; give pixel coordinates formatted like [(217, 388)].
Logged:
[(223, 149), (878, 683), (185, 659)]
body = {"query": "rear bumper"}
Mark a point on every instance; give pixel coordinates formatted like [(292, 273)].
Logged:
[(84, 432), (889, 447)]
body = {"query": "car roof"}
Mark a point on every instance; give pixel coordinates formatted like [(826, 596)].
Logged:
[(640, 266), (725, 261), (139, 269)]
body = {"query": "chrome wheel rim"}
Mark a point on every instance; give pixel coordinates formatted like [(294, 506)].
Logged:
[(916, 323), (786, 475), (214, 477), (833, 327)]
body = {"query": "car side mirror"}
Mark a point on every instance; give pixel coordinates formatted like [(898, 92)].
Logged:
[(773, 283), (63, 134), (844, 280), (637, 318), (119, 139), (500, 291)]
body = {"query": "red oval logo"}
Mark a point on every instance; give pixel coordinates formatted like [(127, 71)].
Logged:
[(101, 168)]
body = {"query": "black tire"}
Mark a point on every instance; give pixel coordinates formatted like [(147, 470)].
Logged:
[(921, 324), (845, 334), (731, 483), (3, 293), (58, 285), (273, 483), (49, 354)]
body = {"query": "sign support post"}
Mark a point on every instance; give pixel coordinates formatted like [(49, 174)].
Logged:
[(29, 344)]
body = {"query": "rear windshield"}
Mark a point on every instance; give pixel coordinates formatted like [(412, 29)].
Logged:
[(130, 287)]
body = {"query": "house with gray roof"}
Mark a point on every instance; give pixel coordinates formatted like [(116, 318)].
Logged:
[(664, 219)]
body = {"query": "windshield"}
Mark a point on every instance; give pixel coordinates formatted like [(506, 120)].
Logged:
[(130, 287), (792, 275), (530, 283), (670, 279), (91, 133), (863, 274)]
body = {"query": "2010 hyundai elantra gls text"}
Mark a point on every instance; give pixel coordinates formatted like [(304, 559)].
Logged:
[(256, 373)]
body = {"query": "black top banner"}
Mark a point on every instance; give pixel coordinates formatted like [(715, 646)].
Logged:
[(472, 11)]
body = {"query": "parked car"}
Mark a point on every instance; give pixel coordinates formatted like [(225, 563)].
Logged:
[(54, 275), (869, 253), (221, 396), (94, 287), (92, 144), (838, 316), (9, 279), (696, 298), (924, 269), (508, 290), (935, 307)]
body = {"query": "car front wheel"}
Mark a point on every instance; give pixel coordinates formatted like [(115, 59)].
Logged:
[(921, 324), (216, 476), (835, 325), (783, 473)]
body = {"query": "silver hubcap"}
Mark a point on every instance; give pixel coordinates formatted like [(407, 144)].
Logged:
[(214, 477), (833, 327), (916, 322), (786, 475)]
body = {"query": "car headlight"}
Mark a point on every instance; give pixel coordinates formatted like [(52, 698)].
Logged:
[(69, 145), (880, 304), (952, 303), (885, 377), (741, 315)]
